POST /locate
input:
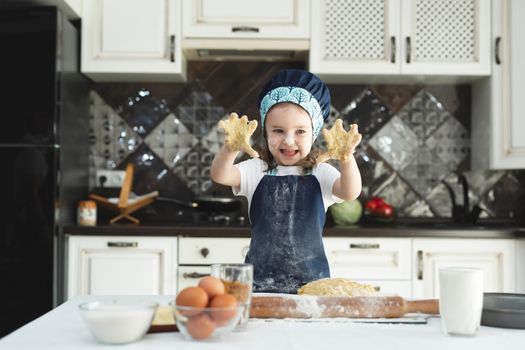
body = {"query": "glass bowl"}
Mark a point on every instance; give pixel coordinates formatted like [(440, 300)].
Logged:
[(206, 323), (118, 321)]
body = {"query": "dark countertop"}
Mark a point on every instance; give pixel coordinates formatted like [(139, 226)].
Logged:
[(434, 230)]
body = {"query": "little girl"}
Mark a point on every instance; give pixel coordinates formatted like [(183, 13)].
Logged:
[(289, 189)]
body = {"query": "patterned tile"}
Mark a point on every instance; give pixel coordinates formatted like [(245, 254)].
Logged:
[(397, 192), (194, 169), (171, 140), (451, 142), (368, 112), (425, 170), (424, 114), (143, 111), (505, 199), (112, 139), (396, 143), (375, 172)]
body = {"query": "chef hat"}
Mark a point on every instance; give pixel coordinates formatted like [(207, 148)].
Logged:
[(300, 87)]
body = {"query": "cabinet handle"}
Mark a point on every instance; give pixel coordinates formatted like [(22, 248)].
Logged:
[(408, 49), (245, 29), (172, 48), (123, 244), (377, 288), (496, 50), (419, 264), (393, 49), (364, 246), (194, 275), (205, 252)]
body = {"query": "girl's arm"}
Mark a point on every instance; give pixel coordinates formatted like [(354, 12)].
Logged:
[(222, 169), (348, 186)]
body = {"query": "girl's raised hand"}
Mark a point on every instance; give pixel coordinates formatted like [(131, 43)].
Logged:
[(238, 132), (341, 144)]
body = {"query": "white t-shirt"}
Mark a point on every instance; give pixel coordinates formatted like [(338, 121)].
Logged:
[(252, 171)]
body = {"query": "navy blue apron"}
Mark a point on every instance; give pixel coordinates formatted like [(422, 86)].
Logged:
[(287, 216)]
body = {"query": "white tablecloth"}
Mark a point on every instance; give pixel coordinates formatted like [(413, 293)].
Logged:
[(63, 328)]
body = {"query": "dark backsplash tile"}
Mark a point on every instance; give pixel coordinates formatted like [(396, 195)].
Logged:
[(416, 137)]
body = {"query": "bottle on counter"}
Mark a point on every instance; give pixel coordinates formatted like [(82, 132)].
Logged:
[(87, 213)]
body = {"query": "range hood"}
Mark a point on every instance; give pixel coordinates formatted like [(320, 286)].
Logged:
[(245, 49)]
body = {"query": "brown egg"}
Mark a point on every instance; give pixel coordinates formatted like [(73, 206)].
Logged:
[(192, 296), (200, 326), (212, 285), (223, 301)]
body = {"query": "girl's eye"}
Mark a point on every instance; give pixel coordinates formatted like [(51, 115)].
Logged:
[(301, 131), (277, 131)]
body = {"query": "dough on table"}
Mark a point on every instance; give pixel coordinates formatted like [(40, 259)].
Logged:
[(340, 287)]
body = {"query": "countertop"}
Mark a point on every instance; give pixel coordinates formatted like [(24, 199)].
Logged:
[(63, 328), (399, 230)]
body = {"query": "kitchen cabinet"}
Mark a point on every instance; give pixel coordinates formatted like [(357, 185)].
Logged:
[(520, 265), (354, 41), (131, 40), (246, 29), (196, 254), (496, 257), (381, 262), (110, 265), (498, 114), (241, 19)]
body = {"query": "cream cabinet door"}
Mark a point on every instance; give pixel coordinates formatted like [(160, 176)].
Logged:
[(352, 39), (494, 256), (212, 250), (127, 40), (498, 113), (383, 40), (232, 19), (121, 265), (445, 37)]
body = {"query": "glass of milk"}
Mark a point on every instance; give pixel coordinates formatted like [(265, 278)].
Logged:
[(461, 300)]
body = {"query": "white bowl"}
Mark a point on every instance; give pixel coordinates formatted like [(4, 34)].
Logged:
[(118, 321)]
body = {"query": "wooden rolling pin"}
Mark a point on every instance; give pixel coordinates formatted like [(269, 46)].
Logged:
[(294, 306)]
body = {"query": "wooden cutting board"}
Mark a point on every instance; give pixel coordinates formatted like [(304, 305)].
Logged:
[(296, 306)]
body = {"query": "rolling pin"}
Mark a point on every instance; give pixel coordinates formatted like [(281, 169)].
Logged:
[(295, 306)]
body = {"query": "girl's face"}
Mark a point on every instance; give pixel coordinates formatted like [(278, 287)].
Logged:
[(289, 133)]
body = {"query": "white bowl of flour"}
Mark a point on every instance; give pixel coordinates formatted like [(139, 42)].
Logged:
[(118, 321)]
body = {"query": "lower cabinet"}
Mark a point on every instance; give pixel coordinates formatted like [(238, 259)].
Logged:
[(381, 262), (196, 254), (121, 265), (496, 257), (408, 267)]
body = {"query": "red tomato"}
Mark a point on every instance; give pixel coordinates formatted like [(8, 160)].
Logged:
[(374, 204), (385, 210)]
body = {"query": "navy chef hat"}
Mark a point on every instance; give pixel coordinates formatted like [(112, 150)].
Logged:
[(299, 87)]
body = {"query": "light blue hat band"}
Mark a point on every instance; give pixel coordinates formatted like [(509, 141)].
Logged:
[(298, 96)]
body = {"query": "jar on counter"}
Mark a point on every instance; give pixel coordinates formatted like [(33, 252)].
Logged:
[(87, 213)]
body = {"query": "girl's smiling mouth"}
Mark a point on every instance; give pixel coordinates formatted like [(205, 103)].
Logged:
[(289, 152)]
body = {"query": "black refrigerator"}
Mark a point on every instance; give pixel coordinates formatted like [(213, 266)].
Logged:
[(44, 149)]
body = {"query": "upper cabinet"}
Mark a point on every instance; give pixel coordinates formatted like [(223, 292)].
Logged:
[(233, 19), (246, 29), (130, 40), (354, 40), (498, 114)]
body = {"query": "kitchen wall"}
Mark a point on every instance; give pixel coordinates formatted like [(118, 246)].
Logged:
[(414, 138)]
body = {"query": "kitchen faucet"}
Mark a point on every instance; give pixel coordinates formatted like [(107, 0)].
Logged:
[(462, 213)]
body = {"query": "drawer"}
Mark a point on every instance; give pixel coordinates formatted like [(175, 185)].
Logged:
[(189, 276), (369, 258), (205, 251)]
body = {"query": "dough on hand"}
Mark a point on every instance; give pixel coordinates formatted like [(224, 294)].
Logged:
[(341, 144), (238, 132), (336, 287)]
